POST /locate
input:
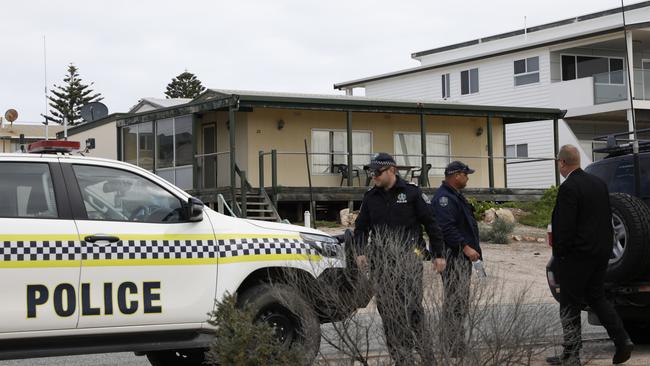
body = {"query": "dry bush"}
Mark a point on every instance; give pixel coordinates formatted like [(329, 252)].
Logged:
[(503, 326)]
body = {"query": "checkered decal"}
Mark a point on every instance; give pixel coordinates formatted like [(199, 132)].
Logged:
[(39, 250), (150, 249), (237, 247)]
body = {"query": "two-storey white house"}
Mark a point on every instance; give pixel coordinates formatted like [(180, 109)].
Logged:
[(578, 64)]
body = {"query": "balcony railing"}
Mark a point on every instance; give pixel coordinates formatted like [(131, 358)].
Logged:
[(612, 86), (641, 84)]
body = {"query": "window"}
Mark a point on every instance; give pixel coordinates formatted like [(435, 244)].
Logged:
[(408, 150), (118, 195), (469, 81), (26, 191), (445, 86), (517, 151), (623, 180), (130, 144), (145, 145), (165, 144), (164, 147), (330, 147), (605, 70), (526, 71)]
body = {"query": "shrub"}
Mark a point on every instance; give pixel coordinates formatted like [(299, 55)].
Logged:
[(484, 232), (241, 341), (481, 206), (501, 230), (540, 211)]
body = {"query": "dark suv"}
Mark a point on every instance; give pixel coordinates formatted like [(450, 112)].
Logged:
[(628, 275)]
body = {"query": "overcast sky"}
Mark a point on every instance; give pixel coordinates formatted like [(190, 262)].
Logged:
[(132, 49)]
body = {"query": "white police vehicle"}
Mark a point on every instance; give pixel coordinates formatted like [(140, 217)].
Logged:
[(101, 256)]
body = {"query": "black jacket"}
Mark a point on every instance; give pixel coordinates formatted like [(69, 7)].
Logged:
[(456, 218), (582, 218), (403, 207)]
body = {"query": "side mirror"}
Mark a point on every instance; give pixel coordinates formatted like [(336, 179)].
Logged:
[(194, 209)]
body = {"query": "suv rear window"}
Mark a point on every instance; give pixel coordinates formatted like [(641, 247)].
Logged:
[(26, 191)]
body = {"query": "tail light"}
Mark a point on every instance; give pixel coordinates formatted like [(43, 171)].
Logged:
[(549, 235)]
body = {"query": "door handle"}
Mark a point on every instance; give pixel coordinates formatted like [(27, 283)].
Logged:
[(101, 237)]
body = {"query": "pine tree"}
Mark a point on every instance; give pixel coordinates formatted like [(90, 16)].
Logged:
[(185, 85), (69, 98)]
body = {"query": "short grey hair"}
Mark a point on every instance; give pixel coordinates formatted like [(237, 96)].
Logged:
[(569, 154)]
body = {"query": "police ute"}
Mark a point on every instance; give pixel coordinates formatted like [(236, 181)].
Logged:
[(101, 256)]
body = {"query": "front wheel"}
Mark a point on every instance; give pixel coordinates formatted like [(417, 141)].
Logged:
[(293, 319), (188, 357)]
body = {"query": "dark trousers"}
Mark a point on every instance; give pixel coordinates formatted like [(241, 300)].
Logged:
[(399, 303), (456, 280), (582, 284)]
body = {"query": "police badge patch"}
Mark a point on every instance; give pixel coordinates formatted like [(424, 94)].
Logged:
[(401, 198), (443, 201)]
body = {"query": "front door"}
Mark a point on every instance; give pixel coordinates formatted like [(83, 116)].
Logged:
[(39, 246), (143, 264)]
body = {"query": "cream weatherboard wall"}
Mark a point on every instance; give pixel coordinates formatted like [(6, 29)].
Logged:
[(263, 134)]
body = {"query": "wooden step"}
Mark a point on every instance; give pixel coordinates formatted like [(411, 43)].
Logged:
[(256, 210)]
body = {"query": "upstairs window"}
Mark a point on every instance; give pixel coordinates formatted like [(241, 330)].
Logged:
[(445, 86), (605, 70), (526, 71), (469, 81)]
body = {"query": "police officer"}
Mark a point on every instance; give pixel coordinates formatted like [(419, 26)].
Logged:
[(397, 209), (456, 219)]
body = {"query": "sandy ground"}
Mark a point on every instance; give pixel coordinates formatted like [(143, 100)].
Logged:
[(517, 264), (523, 263)]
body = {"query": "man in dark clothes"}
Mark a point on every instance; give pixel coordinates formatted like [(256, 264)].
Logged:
[(396, 209), (460, 230), (582, 245)]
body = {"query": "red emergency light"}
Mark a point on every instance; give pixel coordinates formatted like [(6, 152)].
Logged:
[(53, 146)]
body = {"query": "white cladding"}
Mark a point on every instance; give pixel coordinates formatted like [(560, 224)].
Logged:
[(496, 87), (496, 83)]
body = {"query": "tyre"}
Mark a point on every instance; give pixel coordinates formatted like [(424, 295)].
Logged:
[(189, 357), (631, 243), (294, 320)]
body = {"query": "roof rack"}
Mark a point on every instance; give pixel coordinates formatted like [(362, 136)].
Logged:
[(621, 144)]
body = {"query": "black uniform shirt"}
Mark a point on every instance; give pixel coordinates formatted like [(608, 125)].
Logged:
[(456, 218), (403, 207)]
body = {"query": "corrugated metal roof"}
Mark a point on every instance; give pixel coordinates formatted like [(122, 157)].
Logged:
[(164, 103), (158, 103), (330, 97), (221, 99), (349, 100)]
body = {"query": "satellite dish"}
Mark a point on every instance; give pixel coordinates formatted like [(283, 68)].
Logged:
[(93, 111), (11, 115)]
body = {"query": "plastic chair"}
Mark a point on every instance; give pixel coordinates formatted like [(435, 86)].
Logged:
[(422, 175), (343, 169)]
